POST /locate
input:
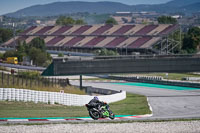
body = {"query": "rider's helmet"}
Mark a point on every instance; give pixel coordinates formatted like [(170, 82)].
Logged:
[(96, 98)]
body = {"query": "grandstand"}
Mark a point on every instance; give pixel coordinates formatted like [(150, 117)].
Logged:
[(86, 38)]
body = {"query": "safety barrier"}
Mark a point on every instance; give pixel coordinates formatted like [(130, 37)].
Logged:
[(12, 94), (136, 78)]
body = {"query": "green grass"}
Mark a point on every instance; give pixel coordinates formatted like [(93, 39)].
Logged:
[(132, 105), (29, 109)]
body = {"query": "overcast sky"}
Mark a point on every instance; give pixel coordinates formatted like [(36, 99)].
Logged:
[(8, 6)]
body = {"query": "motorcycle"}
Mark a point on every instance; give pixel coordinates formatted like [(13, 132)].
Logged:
[(103, 111)]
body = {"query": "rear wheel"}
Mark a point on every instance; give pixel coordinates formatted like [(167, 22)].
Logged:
[(94, 114)]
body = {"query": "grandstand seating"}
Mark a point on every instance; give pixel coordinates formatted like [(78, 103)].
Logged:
[(62, 42), (139, 42), (104, 42), (102, 29), (97, 36), (91, 30), (146, 29), (11, 41), (123, 29), (44, 30), (48, 38), (157, 30), (94, 41), (128, 41), (29, 39), (73, 41), (150, 42), (83, 42), (168, 29), (32, 32), (28, 30), (112, 30), (61, 30), (115, 42), (55, 40), (81, 30)]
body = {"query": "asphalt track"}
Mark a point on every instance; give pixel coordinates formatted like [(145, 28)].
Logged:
[(167, 102)]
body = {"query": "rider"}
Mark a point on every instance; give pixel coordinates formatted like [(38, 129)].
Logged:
[(97, 104)]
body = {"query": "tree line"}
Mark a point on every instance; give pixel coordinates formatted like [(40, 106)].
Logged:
[(35, 51), (62, 20)]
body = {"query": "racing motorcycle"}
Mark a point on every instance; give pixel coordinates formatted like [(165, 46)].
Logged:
[(102, 111)]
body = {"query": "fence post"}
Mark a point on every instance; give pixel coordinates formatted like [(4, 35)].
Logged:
[(52, 82), (22, 81), (48, 81), (13, 80), (8, 80), (42, 82), (2, 76), (26, 82), (38, 79), (55, 82), (18, 78), (31, 82)]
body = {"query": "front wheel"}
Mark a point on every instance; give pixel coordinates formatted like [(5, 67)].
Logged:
[(112, 116), (94, 114)]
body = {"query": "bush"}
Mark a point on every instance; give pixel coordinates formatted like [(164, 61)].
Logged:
[(106, 52), (30, 75)]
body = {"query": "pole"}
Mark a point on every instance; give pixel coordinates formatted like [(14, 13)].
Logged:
[(81, 82), (14, 32), (2, 76)]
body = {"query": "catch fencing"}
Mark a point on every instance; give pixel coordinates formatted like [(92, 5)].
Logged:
[(12, 94), (20, 81)]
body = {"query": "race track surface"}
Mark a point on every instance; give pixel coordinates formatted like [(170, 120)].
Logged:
[(166, 103)]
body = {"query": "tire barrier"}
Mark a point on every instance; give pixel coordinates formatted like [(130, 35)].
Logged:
[(191, 78), (137, 78), (12, 94)]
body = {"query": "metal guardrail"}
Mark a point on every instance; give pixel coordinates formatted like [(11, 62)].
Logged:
[(148, 56), (121, 57), (22, 67)]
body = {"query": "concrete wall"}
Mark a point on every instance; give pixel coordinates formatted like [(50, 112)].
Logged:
[(12, 94), (99, 66)]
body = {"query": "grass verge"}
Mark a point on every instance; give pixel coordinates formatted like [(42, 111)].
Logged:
[(132, 105)]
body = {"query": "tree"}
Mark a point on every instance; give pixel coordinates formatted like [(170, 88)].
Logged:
[(166, 20), (21, 51), (36, 50), (10, 53), (79, 22), (1, 56), (69, 21), (60, 55), (38, 43), (5, 34), (111, 21), (38, 56), (191, 40), (62, 20)]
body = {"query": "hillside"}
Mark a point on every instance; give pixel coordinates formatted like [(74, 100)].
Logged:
[(59, 8)]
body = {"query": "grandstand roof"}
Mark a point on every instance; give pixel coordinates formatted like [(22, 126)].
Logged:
[(97, 36)]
